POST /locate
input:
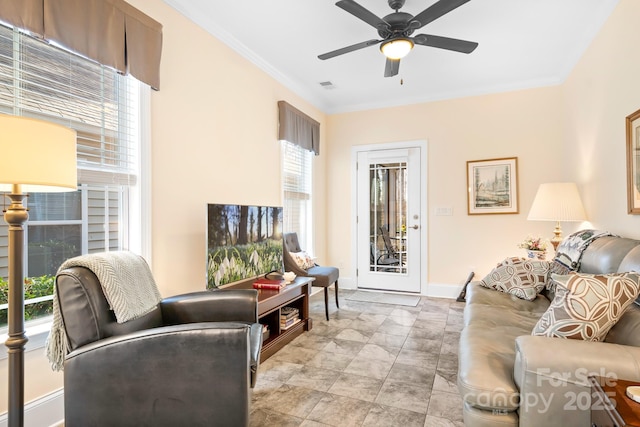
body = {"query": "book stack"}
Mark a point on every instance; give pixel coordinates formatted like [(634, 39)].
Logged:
[(262, 283), (289, 316)]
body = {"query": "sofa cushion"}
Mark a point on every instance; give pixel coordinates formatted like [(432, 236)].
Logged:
[(586, 306), (524, 278), (487, 350)]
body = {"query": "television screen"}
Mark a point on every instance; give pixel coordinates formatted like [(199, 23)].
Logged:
[(243, 242)]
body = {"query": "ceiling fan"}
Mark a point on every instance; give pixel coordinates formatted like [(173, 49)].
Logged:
[(396, 29)]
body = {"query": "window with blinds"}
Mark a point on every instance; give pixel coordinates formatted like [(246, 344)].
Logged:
[(49, 83), (297, 188)]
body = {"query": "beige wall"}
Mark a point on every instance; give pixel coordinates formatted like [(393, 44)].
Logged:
[(602, 90), (524, 124), (214, 130)]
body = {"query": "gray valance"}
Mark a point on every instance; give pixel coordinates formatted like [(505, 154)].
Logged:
[(298, 128), (111, 32)]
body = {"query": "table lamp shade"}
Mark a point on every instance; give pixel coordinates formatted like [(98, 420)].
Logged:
[(38, 155), (557, 201)]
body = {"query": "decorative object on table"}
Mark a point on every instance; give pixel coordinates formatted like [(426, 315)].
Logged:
[(633, 162), (273, 285), (557, 201), (289, 276), (535, 246), (492, 186)]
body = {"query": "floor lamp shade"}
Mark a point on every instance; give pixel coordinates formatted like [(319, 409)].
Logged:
[(35, 156), (38, 155), (557, 201)]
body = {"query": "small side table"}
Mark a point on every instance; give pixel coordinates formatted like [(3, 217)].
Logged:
[(610, 406)]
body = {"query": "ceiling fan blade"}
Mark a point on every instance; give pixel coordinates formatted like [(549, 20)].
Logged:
[(435, 11), (364, 14), (392, 67), (348, 49), (447, 43)]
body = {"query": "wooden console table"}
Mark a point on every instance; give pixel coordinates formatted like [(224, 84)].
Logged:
[(610, 405), (295, 294)]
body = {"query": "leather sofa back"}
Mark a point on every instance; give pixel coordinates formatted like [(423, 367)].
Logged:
[(605, 255), (86, 313)]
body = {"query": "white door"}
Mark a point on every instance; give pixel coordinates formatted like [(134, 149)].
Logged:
[(389, 220)]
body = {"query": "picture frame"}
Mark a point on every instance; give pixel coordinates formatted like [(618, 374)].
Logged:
[(632, 123), (492, 186)]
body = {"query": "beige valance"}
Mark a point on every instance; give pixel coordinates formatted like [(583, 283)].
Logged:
[(298, 128), (111, 32)]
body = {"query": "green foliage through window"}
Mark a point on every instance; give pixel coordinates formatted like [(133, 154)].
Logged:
[(34, 287)]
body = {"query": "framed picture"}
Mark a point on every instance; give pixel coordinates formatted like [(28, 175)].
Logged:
[(492, 186), (633, 163)]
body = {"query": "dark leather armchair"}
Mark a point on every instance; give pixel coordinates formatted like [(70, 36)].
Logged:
[(324, 276), (190, 361)]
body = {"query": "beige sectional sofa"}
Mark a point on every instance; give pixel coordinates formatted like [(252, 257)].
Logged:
[(507, 377)]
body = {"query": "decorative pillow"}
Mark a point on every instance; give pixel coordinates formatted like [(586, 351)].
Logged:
[(302, 259), (586, 306), (523, 278)]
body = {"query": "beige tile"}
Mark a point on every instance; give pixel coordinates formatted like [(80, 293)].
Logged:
[(446, 381), (340, 411), (314, 378), (357, 386), (328, 360), (432, 421), (378, 352), (343, 347), (378, 369), (382, 415), (417, 358), (354, 335), (420, 375), (403, 395), (290, 400), (387, 340), (265, 417), (445, 405)]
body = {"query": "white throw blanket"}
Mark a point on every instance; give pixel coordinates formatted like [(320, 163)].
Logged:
[(127, 284), (570, 250)]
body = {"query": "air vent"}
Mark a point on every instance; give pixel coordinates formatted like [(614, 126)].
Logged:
[(327, 85)]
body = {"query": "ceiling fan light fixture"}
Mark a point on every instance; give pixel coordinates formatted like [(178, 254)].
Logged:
[(396, 48)]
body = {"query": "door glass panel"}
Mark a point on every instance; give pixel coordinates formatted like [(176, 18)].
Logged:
[(388, 210)]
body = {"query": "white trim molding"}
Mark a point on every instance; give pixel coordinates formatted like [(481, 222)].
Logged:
[(48, 410)]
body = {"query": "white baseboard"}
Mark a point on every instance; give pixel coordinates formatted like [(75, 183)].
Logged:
[(47, 411), (436, 290)]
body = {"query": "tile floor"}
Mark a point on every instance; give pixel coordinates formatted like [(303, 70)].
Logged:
[(370, 365)]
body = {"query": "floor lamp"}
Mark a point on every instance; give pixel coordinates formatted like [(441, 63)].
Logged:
[(35, 156), (557, 201)]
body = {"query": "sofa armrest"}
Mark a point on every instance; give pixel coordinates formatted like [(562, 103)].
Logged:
[(219, 305), (551, 374), (177, 375)]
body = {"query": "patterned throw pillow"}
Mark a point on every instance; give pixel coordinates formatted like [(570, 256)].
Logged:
[(302, 259), (522, 277), (586, 306)]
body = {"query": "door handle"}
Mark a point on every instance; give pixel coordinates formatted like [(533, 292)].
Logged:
[(415, 227)]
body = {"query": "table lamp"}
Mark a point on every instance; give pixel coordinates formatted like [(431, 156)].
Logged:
[(35, 156), (557, 201)]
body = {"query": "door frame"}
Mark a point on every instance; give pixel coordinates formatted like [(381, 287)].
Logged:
[(424, 253)]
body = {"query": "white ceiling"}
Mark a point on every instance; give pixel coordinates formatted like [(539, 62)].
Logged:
[(522, 44)]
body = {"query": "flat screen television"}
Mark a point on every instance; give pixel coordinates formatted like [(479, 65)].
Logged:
[(243, 242)]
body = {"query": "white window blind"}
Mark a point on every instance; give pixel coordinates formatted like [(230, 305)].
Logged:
[(50, 83), (297, 187)]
